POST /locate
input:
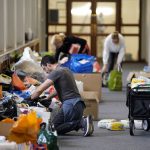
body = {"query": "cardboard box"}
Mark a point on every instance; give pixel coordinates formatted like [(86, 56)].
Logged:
[(5, 128), (91, 82), (92, 104)]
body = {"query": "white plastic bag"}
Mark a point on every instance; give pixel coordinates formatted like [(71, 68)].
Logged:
[(125, 123), (28, 63), (104, 122)]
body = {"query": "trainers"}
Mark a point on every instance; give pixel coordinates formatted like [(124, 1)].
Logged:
[(87, 126), (91, 125)]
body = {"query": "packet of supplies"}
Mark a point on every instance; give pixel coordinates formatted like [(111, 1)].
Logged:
[(137, 81), (138, 124), (104, 122), (115, 126), (125, 123)]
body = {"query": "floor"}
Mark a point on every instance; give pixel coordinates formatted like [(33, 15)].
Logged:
[(112, 106)]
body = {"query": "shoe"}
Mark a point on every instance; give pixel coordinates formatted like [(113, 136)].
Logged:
[(87, 126), (91, 125)]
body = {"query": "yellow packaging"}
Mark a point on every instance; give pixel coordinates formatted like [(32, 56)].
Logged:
[(115, 126)]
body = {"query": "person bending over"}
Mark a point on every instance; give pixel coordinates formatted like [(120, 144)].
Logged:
[(68, 45), (70, 117), (113, 52)]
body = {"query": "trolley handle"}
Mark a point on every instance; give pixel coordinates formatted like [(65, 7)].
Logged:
[(142, 86)]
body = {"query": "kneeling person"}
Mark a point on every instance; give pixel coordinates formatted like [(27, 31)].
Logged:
[(70, 117)]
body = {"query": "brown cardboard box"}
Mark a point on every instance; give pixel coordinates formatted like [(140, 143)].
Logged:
[(5, 128), (91, 82), (91, 100)]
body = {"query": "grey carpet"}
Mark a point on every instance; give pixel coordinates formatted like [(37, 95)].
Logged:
[(111, 106)]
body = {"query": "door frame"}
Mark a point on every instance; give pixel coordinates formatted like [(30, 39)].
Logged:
[(93, 24)]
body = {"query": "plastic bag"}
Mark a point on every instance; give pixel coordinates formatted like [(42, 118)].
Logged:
[(26, 128), (47, 137), (115, 126), (82, 63), (28, 62), (104, 122), (17, 83), (115, 80)]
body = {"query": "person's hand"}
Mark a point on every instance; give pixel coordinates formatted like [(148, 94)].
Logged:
[(104, 69), (116, 67), (63, 60)]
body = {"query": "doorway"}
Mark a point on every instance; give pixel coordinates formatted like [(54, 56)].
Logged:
[(93, 20)]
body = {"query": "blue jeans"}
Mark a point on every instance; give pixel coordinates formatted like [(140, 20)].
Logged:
[(70, 115)]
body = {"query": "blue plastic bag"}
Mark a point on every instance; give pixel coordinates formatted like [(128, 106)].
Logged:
[(82, 63)]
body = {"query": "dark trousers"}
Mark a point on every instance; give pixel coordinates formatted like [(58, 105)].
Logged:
[(112, 61), (69, 119)]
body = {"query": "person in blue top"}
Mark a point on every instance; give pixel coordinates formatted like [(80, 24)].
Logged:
[(70, 117)]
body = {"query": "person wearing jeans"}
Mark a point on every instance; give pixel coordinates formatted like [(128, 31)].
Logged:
[(70, 117)]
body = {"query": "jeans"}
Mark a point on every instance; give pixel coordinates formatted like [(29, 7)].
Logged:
[(111, 61), (69, 117)]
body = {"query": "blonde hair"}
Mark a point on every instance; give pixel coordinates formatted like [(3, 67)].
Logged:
[(57, 38)]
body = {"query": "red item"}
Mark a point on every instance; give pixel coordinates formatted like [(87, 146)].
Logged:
[(17, 83), (40, 147)]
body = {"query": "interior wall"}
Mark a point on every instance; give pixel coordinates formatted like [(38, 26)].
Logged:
[(42, 26), (146, 31)]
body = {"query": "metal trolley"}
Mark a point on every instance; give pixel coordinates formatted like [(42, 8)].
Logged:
[(138, 101)]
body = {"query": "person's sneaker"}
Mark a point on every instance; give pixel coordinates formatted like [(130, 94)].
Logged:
[(87, 126), (91, 125)]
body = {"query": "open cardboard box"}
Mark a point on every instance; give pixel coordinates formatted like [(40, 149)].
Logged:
[(91, 82)]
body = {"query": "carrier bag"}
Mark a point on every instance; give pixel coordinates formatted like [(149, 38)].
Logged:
[(115, 80), (82, 63), (47, 137)]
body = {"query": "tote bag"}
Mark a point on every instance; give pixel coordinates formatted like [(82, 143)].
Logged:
[(115, 80)]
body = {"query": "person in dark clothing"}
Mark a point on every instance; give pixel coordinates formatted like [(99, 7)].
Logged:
[(66, 44), (69, 118)]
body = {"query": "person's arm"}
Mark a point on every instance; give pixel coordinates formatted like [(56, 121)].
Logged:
[(58, 51), (81, 42), (41, 88), (51, 95), (105, 55), (121, 52), (63, 49)]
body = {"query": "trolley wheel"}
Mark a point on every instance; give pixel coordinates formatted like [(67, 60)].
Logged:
[(146, 125), (132, 127)]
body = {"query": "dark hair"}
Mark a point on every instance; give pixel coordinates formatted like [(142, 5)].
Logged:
[(47, 59), (115, 35)]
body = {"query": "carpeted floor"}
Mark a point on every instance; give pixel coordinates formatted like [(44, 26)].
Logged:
[(111, 106)]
